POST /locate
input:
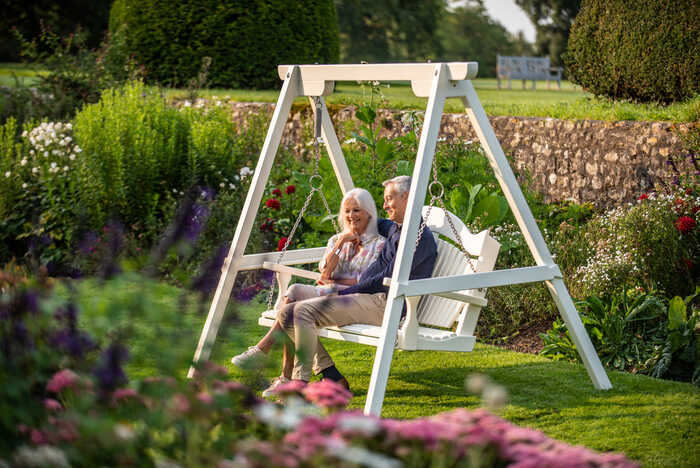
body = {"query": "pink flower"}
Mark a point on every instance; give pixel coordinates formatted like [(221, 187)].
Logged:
[(179, 403), (62, 379), (205, 397), (37, 437), (327, 394), (122, 394), (295, 387), (685, 224), (52, 405)]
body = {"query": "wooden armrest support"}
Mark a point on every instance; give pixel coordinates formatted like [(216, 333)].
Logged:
[(312, 275)]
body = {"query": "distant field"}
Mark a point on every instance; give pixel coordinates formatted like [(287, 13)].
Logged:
[(571, 102)]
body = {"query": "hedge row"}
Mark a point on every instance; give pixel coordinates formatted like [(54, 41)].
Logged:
[(246, 39)]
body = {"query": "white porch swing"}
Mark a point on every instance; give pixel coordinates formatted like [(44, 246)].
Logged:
[(457, 277)]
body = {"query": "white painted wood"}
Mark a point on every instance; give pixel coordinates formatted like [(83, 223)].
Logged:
[(247, 218), (312, 275), (585, 348), (335, 152), (382, 72), (404, 253), (283, 278), (292, 257), (486, 279)]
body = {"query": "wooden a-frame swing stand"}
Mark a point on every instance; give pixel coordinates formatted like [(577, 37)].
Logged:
[(437, 82)]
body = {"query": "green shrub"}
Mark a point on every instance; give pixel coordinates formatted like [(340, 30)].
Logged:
[(625, 330), (245, 40), (645, 51)]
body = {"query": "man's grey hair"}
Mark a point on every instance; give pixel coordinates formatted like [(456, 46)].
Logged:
[(402, 183), (366, 202)]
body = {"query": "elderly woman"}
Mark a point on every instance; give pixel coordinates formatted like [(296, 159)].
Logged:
[(347, 255)]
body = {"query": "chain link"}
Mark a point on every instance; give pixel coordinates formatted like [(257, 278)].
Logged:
[(317, 156), (438, 198)]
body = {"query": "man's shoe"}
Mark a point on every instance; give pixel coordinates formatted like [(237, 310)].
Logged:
[(341, 381), (246, 358), (276, 382)]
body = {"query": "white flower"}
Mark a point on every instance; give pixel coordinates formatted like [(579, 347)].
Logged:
[(23, 162), (69, 126), (43, 455), (65, 168), (363, 424), (24, 185), (53, 165), (495, 396), (222, 185), (71, 157), (124, 432), (35, 170), (245, 171), (350, 141), (8, 174), (55, 152), (67, 139), (77, 149), (24, 134), (46, 154), (231, 186), (31, 152), (187, 104), (236, 178)]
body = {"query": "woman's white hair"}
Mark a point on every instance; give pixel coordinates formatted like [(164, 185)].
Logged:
[(366, 202), (402, 183)]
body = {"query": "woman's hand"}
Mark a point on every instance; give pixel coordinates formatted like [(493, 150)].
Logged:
[(324, 280), (348, 237)]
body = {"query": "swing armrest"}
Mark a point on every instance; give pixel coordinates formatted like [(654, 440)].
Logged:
[(453, 295), (312, 275)]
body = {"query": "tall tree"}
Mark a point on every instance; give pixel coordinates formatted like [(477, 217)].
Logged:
[(552, 20), (389, 30), (469, 33)]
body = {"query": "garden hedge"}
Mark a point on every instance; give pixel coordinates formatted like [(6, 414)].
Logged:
[(646, 50), (246, 39)]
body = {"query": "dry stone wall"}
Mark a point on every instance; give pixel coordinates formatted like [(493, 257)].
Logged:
[(606, 163)]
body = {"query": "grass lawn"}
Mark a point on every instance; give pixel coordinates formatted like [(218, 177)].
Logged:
[(568, 103), (8, 72), (654, 421)]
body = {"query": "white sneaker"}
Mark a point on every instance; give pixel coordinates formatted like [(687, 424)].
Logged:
[(247, 357), (276, 382)]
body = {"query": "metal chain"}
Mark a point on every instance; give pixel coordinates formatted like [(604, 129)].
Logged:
[(438, 197), (315, 176)]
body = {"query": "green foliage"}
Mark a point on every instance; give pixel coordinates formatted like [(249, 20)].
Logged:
[(643, 51), (552, 20), (245, 40), (468, 33), (624, 329), (386, 30), (679, 357), (61, 17), (475, 204)]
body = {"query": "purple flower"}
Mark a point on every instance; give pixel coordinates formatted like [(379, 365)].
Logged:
[(70, 339), (208, 280), (110, 374), (195, 222)]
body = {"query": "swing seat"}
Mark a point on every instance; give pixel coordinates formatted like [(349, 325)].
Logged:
[(441, 322)]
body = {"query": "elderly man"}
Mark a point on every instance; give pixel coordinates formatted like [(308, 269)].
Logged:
[(362, 303)]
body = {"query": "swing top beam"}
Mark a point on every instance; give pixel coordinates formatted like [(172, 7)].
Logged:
[(317, 80)]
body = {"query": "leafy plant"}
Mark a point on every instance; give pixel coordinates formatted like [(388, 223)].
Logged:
[(475, 204), (678, 357), (623, 329)]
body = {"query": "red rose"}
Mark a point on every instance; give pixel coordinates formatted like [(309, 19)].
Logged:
[(642, 197), (688, 264), (273, 203), (281, 243), (685, 224), (277, 192), (290, 189)]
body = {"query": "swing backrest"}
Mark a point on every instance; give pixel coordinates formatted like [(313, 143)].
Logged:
[(439, 311)]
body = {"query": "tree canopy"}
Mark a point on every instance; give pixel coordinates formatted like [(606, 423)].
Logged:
[(552, 20)]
